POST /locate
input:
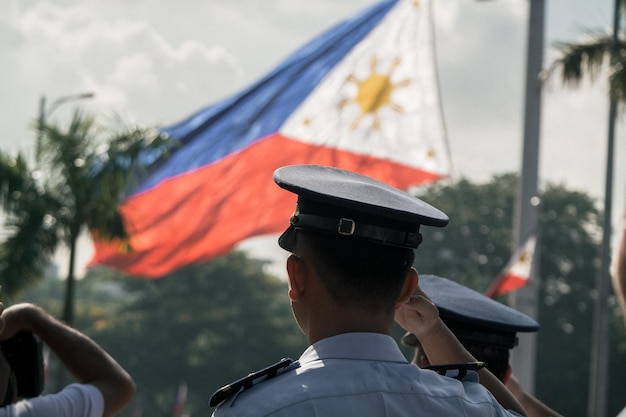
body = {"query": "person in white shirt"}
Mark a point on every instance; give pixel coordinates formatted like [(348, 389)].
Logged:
[(618, 278), (103, 387)]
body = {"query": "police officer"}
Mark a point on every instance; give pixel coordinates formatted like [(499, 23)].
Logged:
[(486, 328), (352, 242)]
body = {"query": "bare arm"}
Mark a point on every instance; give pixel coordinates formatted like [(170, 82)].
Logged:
[(87, 361), (619, 274), (532, 405), (421, 317)]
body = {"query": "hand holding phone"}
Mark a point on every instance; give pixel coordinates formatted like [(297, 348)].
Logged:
[(25, 356)]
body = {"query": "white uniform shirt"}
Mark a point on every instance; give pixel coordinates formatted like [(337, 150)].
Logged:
[(75, 400), (361, 374)]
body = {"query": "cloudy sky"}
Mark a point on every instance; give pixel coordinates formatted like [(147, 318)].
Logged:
[(155, 62)]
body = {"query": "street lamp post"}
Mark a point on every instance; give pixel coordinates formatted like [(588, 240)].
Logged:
[(44, 114), (526, 221)]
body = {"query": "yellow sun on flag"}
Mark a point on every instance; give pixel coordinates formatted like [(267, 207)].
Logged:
[(375, 93), (525, 257)]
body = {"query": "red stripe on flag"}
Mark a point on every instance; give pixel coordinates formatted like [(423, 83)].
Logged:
[(506, 283), (204, 213), (517, 272)]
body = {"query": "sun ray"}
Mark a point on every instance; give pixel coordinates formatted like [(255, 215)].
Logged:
[(398, 108), (356, 122), (376, 122), (394, 65), (402, 83), (373, 64)]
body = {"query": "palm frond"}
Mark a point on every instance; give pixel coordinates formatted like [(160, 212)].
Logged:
[(33, 238), (583, 59), (15, 179), (119, 169)]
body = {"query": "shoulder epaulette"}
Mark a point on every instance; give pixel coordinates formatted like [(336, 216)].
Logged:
[(244, 383), (456, 370)]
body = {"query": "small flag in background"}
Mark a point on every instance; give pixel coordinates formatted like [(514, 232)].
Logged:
[(517, 272), (179, 401), (362, 96)]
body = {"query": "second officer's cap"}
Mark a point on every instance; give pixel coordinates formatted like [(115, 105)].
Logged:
[(344, 203), (473, 316)]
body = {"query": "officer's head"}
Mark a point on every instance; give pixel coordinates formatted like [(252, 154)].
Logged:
[(484, 326), (358, 234)]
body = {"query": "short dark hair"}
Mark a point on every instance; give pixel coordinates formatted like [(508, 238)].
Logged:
[(361, 274)]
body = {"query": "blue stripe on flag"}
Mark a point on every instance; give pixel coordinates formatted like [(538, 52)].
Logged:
[(234, 123)]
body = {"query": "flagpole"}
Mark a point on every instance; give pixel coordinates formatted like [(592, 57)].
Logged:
[(598, 378), (525, 223)]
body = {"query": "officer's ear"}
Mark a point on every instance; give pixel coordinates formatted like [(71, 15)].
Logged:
[(296, 277), (410, 284)]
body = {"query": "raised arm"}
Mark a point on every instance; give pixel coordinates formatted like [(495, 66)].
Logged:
[(532, 405), (619, 274), (84, 358)]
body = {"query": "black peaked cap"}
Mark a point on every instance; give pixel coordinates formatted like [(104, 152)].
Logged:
[(336, 201), (463, 304)]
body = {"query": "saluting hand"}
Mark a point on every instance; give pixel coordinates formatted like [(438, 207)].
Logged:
[(418, 315)]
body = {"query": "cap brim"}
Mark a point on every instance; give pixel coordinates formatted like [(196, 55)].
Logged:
[(461, 303), (288, 239), (356, 192)]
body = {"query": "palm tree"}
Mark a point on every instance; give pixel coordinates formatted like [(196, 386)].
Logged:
[(589, 57), (79, 177)]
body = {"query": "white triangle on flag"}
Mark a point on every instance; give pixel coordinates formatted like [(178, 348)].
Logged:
[(382, 99), (517, 272)]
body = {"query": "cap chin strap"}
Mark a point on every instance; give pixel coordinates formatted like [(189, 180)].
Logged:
[(348, 227)]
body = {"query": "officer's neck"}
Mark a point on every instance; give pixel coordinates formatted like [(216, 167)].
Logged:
[(335, 320)]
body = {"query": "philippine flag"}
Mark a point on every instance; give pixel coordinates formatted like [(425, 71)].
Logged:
[(517, 272), (362, 96)]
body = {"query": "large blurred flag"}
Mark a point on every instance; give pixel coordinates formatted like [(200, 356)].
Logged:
[(362, 96), (517, 272)]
